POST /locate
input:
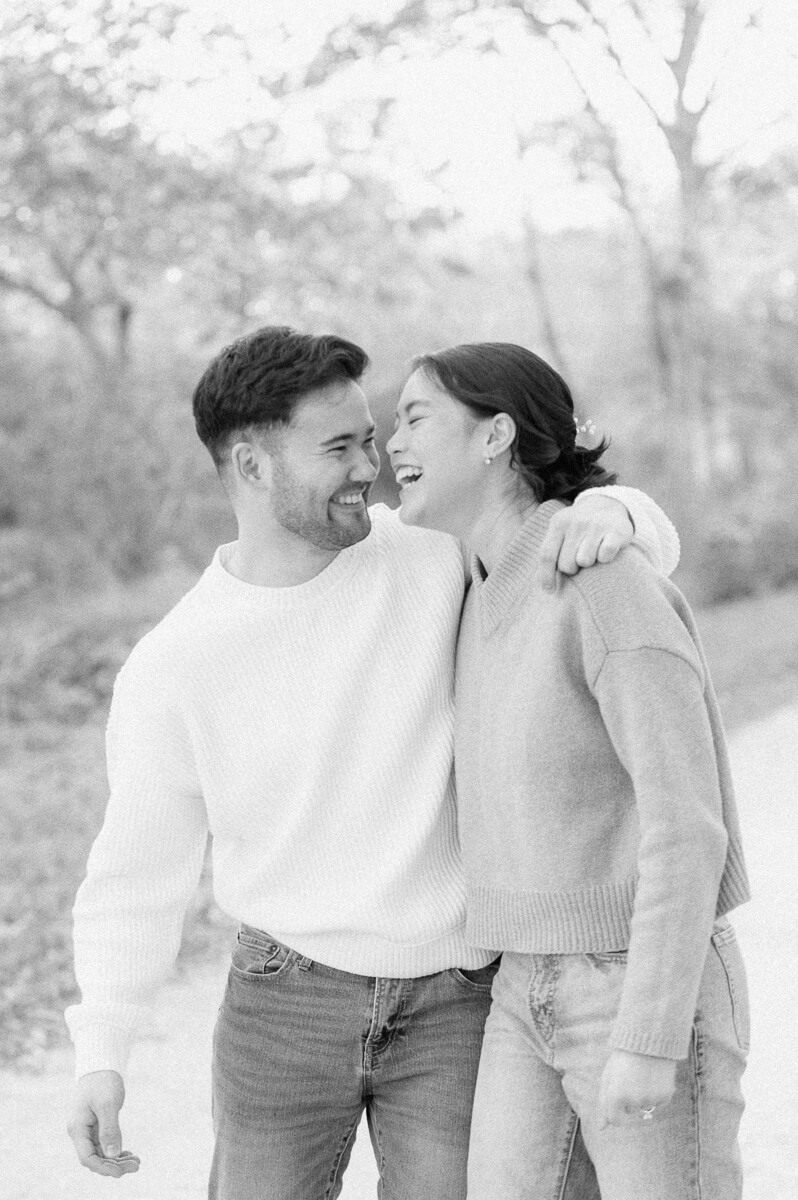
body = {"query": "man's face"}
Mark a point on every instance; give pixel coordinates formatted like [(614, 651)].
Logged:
[(324, 463)]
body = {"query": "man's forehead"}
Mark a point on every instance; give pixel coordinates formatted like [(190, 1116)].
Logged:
[(325, 409)]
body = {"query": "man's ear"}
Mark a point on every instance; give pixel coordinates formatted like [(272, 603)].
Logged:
[(501, 435), (250, 464)]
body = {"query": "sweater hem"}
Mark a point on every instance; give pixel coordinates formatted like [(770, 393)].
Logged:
[(372, 956), (591, 920)]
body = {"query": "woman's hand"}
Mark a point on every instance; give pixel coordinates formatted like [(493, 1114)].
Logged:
[(634, 1084)]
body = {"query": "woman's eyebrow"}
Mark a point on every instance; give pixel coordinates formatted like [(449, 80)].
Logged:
[(415, 404)]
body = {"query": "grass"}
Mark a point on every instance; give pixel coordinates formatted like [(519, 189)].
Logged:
[(55, 679)]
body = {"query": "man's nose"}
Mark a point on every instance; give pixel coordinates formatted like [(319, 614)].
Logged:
[(364, 469)]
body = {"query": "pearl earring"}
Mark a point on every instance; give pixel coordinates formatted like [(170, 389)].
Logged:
[(487, 460)]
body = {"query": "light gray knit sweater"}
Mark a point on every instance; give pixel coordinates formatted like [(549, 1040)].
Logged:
[(596, 808)]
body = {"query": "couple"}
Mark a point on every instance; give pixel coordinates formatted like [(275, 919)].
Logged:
[(298, 702)]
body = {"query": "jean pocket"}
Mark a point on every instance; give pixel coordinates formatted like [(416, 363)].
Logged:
[(477, 977), (608, 956), (724, 941), (256, 956)]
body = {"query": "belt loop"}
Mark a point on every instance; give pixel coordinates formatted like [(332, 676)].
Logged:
[(304, 963)]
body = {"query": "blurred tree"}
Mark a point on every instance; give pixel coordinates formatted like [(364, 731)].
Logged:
[(655, 82), (150, 249), (80, 184)]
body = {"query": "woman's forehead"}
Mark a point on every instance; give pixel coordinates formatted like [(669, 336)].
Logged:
[(421, 389)]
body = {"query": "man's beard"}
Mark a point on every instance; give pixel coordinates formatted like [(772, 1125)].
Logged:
[(307, 515)]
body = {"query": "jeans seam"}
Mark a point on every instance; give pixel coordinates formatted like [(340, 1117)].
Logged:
[(719, 945), (562, 1181), (347, 1141), (695, 1094), (376, 1134), (541, 1010), (368, 1042), (401, 1007)]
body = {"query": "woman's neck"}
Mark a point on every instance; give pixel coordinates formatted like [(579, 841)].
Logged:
[(497, 525)]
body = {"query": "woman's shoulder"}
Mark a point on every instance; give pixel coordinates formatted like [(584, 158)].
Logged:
[(631, 606)]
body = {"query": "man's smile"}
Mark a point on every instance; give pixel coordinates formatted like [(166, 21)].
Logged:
[(351, 499)]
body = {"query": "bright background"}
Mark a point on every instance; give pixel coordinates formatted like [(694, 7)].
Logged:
[(613, 183)]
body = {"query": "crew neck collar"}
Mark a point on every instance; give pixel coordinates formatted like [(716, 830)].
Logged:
[(329, 578)]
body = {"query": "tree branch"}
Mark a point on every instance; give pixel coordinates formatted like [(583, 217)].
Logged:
[(13, 284), (602, 27), (68, 310), (749, 23), (679, 67)]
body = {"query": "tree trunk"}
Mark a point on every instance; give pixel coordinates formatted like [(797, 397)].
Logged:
[(540, 292)]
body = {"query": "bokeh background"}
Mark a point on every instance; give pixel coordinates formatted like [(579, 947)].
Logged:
[(613, 183)]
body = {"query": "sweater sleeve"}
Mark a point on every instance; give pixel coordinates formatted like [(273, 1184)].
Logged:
[(653, 706), (655, 535), (142, 871)]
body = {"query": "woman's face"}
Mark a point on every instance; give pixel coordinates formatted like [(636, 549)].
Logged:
[(437, 453)]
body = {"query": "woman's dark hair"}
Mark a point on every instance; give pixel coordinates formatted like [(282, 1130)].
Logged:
[(498, 377), (257, 380)]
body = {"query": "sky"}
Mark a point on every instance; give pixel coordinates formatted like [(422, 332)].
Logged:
[(463, 110)]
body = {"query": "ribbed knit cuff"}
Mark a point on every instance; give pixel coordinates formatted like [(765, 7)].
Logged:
[(734, 887), (654, 1042), (101, 1048)]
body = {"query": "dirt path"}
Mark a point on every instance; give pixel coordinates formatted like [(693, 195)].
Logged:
[(167, 1115)]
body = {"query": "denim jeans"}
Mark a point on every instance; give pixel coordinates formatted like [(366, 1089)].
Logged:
[(301, 1049), (546, 1043)]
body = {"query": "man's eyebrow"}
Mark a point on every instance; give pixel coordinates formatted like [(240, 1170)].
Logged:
[(348, 437)]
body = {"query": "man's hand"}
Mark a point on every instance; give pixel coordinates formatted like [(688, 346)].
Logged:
[(94, 1125), (634, 1084), (595, 530)]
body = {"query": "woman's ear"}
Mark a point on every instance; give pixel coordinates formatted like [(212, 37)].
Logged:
[(501, 435)]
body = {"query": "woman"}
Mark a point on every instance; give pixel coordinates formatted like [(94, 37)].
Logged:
[(597, 820)]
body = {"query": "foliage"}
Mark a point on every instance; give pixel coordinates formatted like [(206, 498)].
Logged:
[(149, 253), (80, 181), (651, 84)]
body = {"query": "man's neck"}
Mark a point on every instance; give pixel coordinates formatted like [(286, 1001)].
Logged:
[(276, 559)]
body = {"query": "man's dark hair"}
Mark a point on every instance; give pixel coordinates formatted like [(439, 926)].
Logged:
[(499, 377), (256, 381)]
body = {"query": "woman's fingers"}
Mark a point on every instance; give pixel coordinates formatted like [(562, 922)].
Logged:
[(633, 1087)]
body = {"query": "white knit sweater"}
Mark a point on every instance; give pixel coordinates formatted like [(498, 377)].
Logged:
[(309, 729)]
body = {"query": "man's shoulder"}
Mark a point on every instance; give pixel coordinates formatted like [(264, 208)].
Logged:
[(172, 640)]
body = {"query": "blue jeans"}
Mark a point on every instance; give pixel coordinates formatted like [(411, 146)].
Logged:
[(301, 1049), (546, 1043)]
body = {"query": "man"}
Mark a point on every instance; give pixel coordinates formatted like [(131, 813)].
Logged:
[(298, 703)]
